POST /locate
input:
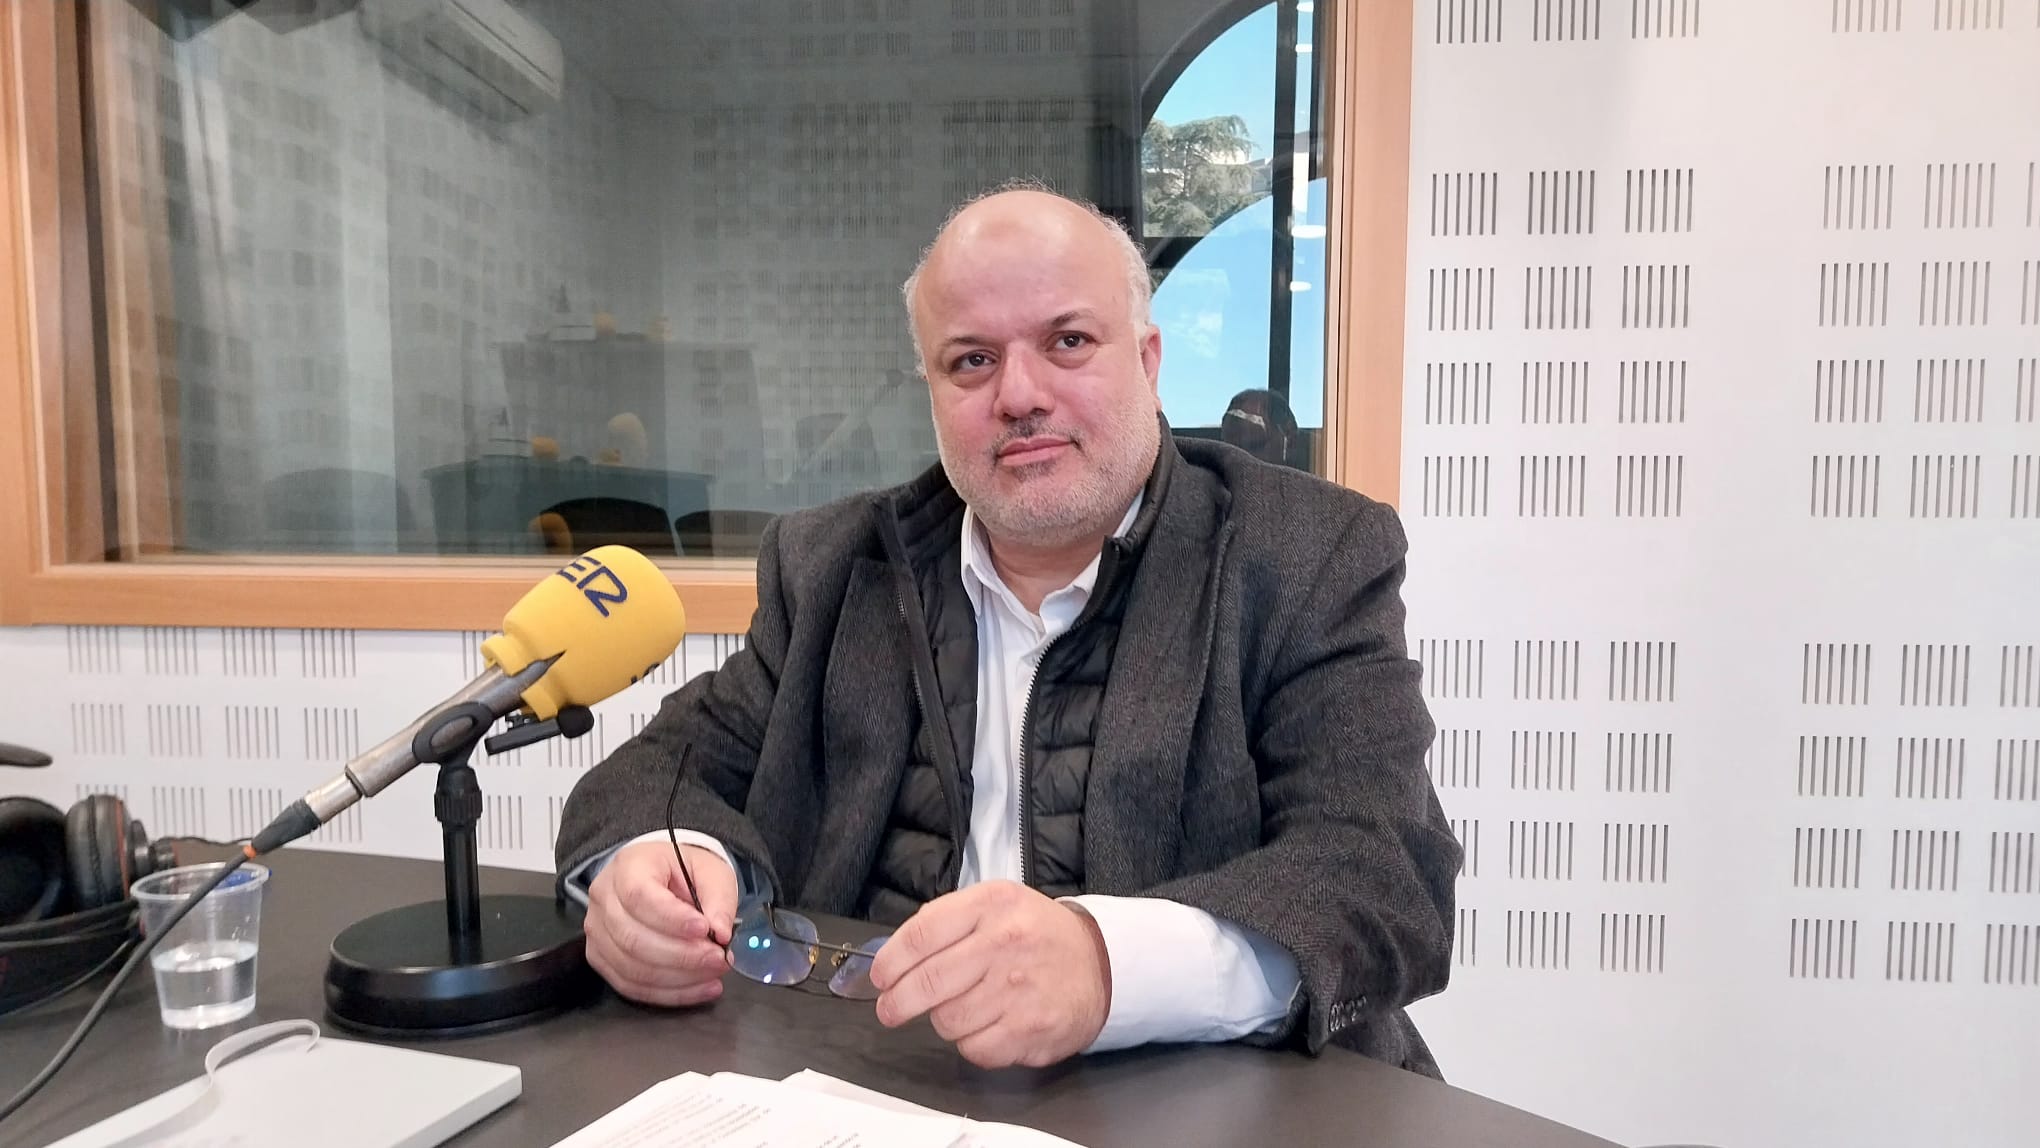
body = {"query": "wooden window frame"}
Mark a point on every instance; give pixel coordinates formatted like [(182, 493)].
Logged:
[(46, 302)]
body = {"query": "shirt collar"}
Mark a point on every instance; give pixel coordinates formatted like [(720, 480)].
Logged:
[(979, 575)]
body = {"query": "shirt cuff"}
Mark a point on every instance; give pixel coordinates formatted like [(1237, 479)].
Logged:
[(1181, 974), (583, 875)]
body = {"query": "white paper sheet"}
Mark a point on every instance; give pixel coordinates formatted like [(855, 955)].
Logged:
[(729, 1110), (977, 1134)]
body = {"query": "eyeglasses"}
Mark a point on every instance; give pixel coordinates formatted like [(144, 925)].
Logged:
[(777, 946)]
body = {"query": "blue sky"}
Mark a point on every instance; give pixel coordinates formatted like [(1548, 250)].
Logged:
[(1235, 76)]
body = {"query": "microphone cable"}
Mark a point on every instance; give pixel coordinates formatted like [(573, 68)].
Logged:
[(139, 954), (77, 982)]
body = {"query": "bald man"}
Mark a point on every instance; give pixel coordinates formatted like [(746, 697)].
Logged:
[(1116, 733)]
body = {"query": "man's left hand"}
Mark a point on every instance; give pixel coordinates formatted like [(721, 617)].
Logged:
[(1004, 973)]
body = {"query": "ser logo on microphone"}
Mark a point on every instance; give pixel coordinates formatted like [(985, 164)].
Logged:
[(598, 582)]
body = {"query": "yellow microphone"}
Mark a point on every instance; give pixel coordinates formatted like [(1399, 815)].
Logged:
[(588, 630), (601, 622)]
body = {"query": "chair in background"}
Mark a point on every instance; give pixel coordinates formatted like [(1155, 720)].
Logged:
[(578, 525)]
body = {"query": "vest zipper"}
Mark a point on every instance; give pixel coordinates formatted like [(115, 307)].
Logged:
[(1026, 799)]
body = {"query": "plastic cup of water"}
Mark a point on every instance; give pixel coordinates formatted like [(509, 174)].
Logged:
[(205, 966)]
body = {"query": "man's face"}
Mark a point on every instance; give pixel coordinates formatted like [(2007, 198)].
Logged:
[(1043, 389)]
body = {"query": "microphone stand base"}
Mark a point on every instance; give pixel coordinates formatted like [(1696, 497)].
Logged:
[(397, 974)]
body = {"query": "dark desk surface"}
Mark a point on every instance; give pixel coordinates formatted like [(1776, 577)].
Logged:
[(582, 1064)]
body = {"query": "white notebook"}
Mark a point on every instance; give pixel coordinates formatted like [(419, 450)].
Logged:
[(315, 1093)]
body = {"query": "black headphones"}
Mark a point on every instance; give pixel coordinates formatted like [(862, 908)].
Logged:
[(65, 910)]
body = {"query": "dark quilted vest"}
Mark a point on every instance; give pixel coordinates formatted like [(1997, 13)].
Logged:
[(922, 852)]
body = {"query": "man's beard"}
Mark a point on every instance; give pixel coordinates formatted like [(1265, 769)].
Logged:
[(1052, 509)]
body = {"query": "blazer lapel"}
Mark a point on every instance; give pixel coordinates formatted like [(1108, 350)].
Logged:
[(1132, 810)]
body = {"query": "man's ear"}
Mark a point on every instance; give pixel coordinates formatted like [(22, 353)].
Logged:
[(1151, 358)]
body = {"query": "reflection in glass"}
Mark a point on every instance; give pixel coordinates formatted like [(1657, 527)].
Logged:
[(382, 281)]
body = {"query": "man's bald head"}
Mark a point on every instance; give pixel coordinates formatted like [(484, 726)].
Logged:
[(1030, 321), (1031, 209)]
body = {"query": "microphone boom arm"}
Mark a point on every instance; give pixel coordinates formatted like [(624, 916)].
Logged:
[(372, 772)]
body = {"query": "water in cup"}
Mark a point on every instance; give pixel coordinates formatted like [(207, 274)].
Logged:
[(203, 983), (205, 964)]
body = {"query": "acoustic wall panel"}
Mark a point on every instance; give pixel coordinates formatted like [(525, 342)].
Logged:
[(1657, 199), (1969, 15), (2019, 676), (1651, 392), (1539, 940), (1657, 19), (170, 651), (1948, 390), (1467, 21), (1769, 492), (1459, 393), (1857, 196), (1823, 949), (1639, 763), (1544, 759), (1824, 858), (1565, 19), (1561, 202), (1467, 833), (1832, 766), (212, 732), (1959, 195), (1555, 392), (1931, 768), (2011, 955), (1464, 202), (1466, 938), (1632, 942), (1849, 391), (1453, 760), (2017, 776)]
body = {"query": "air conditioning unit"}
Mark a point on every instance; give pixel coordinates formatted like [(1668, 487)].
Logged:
[(484, 52)]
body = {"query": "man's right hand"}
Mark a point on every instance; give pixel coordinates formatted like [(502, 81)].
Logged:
[(646, 937)]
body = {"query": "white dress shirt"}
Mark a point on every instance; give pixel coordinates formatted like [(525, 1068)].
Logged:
[(1178, 973)]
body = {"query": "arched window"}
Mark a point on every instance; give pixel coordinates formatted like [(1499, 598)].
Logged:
[(1232, 213)]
